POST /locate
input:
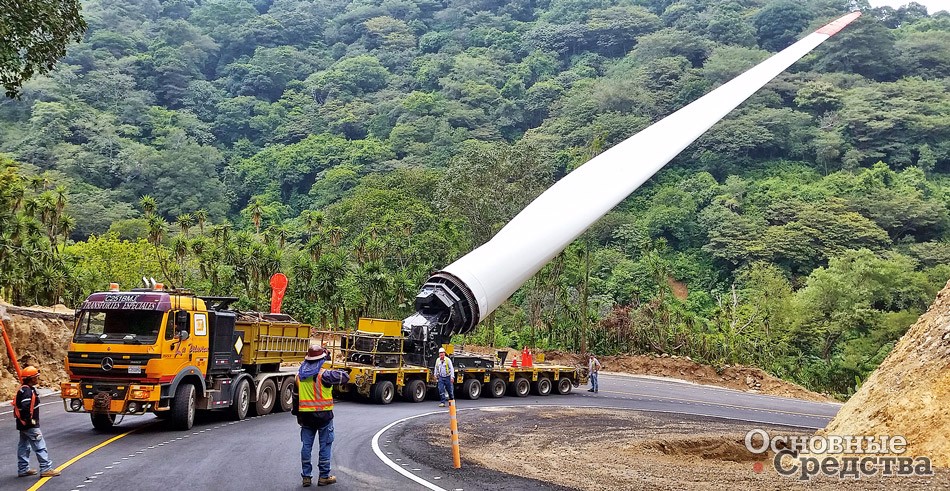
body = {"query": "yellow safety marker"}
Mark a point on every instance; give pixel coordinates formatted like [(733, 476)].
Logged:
[(73, 460), (456, 459)]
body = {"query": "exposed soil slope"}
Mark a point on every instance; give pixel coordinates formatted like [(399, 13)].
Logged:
[(909, 394), (40, 336)]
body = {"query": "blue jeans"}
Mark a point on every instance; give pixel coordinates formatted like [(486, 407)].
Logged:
[(593, 381), (446, 386), (307, 435), (32, 438)]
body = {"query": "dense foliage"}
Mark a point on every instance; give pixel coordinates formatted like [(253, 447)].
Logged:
[(359, 145)]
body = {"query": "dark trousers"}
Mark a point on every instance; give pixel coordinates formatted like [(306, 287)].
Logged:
[(446, 387)]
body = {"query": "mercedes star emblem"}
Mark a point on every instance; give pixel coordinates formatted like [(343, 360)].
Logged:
[(107, 363)]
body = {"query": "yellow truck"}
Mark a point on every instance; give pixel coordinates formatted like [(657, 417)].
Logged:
[(169, 352)]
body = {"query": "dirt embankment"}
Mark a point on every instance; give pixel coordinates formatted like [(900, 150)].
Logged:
[(40, 336), (737, 377), (909, 394), (599, 449)]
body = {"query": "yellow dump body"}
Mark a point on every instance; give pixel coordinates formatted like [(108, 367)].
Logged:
[(267, 342)]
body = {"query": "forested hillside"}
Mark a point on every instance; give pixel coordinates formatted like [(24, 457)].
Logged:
[(359, 145)]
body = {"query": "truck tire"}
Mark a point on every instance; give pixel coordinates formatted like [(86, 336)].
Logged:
[(383, 392), (520, 387), (564, 386), (496, 388), (286, 395), (472, 389), (102, 421), (542, 387), (266, 399), (183, 407), (241, 401), (414, 391)]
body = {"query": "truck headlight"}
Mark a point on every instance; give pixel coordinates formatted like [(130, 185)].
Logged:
[(75, 404), (141, 392), (70, 390)]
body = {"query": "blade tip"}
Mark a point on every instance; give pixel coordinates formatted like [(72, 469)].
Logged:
[(834, 26)]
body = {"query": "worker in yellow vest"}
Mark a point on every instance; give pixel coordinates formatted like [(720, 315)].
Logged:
[(313, 405)]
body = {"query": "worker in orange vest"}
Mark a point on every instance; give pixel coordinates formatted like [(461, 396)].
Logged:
[(313, 405), (27, 412)]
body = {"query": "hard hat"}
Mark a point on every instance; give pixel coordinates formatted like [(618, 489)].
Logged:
[(29, 371), (315, 352), (441, 350)]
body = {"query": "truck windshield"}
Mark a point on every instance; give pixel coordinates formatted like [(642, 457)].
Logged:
[(118, 326)]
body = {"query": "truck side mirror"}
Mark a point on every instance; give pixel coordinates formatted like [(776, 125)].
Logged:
[(182, 321)]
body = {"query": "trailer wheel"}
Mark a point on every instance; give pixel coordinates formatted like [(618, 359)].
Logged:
[(496, 388), (102, 421), (472, 389), (242, 400), (520, 387), (183, 407), (414, 391), (543, 386), (564, 386), (266, 399), (286, 395), (383, 392)]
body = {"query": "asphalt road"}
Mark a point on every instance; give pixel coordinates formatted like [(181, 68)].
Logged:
[(263, 453)]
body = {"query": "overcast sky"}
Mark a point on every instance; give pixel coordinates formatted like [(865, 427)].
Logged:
[(932, 5)]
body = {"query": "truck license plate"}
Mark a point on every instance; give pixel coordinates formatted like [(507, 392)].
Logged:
[(135, 369)]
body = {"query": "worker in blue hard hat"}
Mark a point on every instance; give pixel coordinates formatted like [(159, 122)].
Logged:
[(26, 409)]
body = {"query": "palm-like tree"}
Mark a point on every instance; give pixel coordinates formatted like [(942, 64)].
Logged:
[(148, 205), (201, 216), (185, 221), (257, 213)]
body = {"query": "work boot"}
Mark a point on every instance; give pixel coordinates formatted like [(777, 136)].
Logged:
[(326, 481), (30, 472), (307, 481), (441, 404), (50, 473), (590, 390)]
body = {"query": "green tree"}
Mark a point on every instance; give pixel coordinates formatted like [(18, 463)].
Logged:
[(34, 36)]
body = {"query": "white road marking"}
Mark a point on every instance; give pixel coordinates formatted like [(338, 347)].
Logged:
[(398, 468)]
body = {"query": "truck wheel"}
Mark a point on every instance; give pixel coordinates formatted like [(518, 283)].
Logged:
[(543, 386), (496, 388), (520, 387), (383, 392), (102, 421), (241, 401), (414, 391), (266, 399), (183, 407), (564, 386), (286, 395), (472, 389)]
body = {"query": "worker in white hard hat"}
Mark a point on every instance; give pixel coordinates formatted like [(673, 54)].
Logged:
[(445, 373)]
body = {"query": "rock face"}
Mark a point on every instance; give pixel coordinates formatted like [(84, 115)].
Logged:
[(40, 337), (909, 394)]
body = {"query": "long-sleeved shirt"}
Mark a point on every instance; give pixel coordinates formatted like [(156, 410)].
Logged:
[(28, 407), (444, 368), (310, 369)]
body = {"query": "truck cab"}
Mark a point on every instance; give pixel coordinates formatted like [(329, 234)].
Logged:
[(150, 350)]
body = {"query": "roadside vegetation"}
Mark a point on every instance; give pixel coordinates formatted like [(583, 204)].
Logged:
[(357, 146)]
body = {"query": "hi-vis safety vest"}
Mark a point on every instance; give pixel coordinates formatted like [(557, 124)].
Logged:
[(314, 396), (16, 408)]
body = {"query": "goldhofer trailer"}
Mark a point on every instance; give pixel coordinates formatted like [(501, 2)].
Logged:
[(375, 357)]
